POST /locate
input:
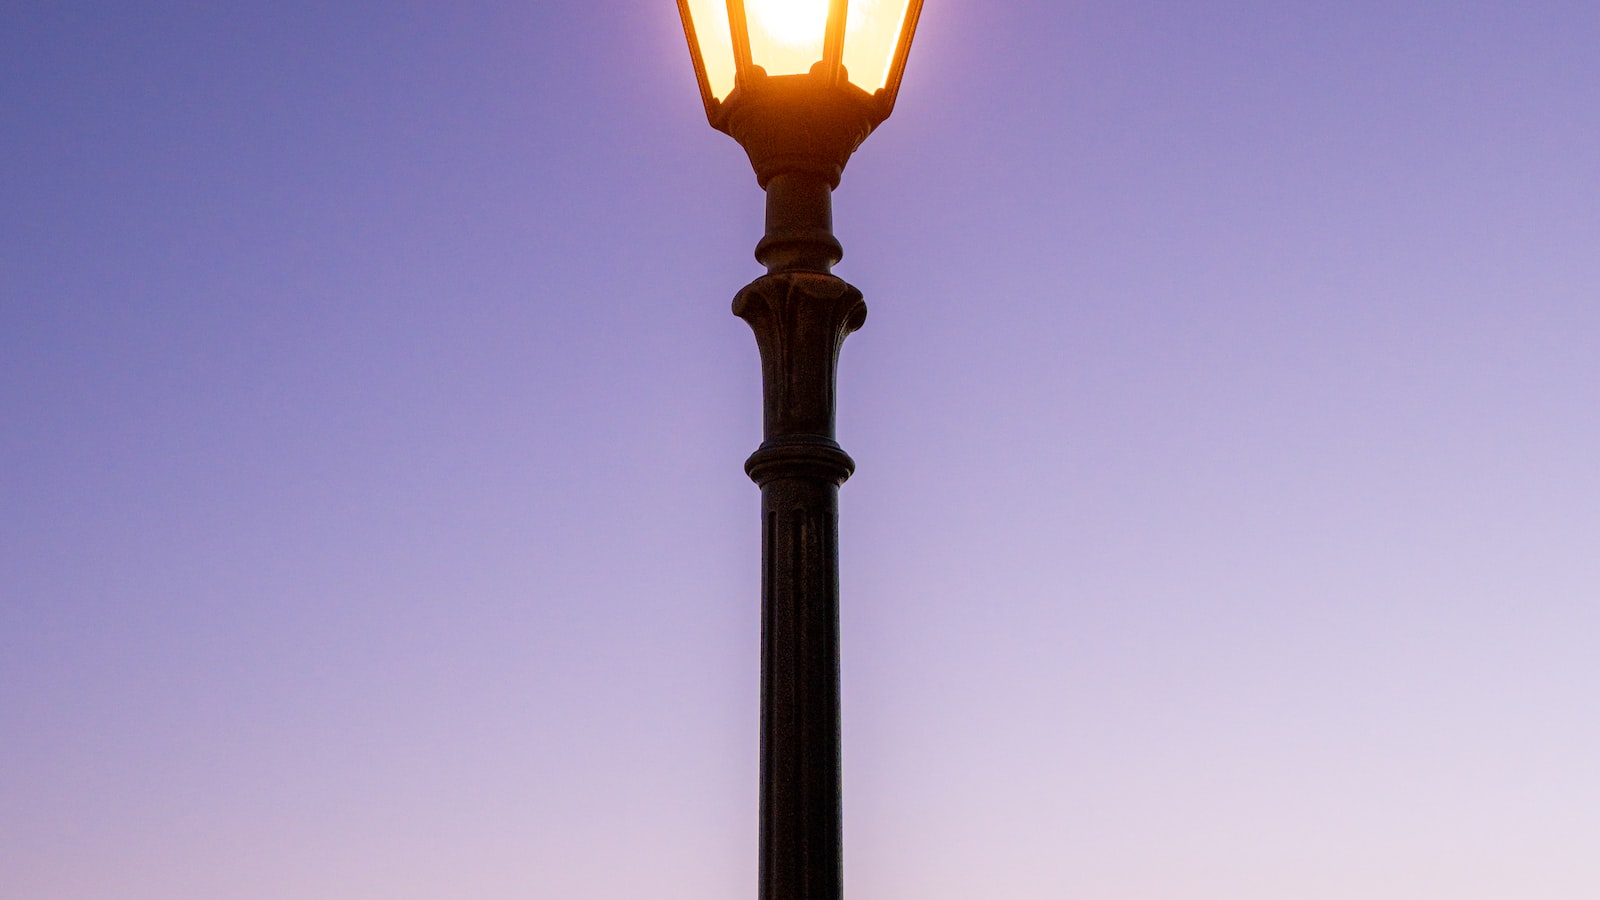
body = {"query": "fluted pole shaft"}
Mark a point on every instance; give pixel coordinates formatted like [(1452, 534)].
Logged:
[(801, 314)]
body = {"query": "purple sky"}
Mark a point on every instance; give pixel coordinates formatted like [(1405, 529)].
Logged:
[(1227, 519)]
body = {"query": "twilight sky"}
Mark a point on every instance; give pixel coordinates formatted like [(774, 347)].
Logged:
[(1227, 519)]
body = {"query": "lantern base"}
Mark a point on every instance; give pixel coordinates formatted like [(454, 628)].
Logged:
[(799, 123)]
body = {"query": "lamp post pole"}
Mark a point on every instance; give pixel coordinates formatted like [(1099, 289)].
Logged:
[(800, 320), (800, 313), (776, 75)]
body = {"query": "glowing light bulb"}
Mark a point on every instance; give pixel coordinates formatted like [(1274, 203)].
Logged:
[(794, 23)]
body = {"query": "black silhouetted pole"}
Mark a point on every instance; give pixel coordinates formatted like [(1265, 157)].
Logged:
[(800, 314), (799, 130)]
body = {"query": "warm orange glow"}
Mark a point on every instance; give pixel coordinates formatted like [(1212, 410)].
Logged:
[(786, 35), (710, 20), (793, 23)]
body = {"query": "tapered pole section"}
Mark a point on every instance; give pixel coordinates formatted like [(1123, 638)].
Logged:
[(801, 314)]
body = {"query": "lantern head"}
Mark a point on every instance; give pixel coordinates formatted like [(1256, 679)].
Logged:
[(799, 83)]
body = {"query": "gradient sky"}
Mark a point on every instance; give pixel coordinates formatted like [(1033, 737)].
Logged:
[(1227, 519)]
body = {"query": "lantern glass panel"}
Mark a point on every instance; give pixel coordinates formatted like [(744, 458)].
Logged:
[(872, 34), (786, 36), (710, 21)]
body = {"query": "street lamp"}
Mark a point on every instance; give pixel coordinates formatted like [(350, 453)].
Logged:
[(799, 84)]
